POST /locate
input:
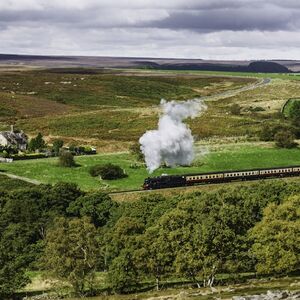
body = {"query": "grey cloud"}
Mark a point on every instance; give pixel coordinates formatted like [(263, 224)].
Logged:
[(168, 28), (198, 15), (268, 19)]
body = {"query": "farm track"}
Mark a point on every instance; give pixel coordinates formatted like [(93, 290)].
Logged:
[(33, 181)]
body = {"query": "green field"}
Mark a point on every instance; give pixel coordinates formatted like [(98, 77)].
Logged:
[(9, 184), (230, 158)]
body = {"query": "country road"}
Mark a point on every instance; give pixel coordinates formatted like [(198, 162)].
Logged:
[(232, 93)]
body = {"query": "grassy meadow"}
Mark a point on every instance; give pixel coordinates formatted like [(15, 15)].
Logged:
[(9, 184), (227, 158)]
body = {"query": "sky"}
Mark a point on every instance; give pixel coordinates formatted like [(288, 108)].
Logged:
[(205, 29)]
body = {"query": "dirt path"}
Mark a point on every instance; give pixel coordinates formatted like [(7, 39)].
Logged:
[(235, 92), (33, 181)]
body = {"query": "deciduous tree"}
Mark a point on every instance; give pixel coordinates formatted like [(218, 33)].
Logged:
[(71, 252), (277, 238)]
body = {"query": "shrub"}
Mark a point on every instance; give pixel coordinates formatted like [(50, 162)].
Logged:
[(95, 170), (269, 132), (28, 156), (57, 145), (256, 109), (66, 159), (235, 109), (107, 171), (4, 154), (37, 143), (135, 149), (294, 113), (285, 139)]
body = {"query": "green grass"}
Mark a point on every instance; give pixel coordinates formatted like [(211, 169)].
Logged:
[(9, 184), (242, 157)]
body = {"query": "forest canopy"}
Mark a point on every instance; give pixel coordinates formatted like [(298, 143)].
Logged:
[(73, 235)]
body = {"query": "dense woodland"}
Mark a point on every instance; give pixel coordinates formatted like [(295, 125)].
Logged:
[(73, 236)]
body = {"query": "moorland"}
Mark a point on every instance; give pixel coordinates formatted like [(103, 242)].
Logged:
[(68, 236)]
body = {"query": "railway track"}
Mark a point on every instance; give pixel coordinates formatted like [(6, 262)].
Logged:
[(199, 185)]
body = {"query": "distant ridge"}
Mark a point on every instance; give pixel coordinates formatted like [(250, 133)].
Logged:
[(32, 57), (257, 67), (49, 61)]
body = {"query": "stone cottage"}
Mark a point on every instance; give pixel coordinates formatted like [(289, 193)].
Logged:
[(13, 138)]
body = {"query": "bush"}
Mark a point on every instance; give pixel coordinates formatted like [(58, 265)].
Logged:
[(285, 139), (256, 109), (66, 159), (4, 154), (29, 156), (57, 145), (235, 109), (269, 132), (37, 143), (135, 149), (107, 171), (294, 113), (95, 170)]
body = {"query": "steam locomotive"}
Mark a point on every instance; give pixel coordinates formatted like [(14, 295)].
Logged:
[(169, 181)]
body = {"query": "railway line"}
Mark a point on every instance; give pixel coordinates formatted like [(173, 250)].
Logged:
[(268, 174)]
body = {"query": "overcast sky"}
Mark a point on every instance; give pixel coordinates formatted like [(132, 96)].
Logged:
[(208, 29)]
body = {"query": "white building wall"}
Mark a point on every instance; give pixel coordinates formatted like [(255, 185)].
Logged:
[(3, 140)]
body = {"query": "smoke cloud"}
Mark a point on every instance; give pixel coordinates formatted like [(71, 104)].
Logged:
[(172, 143)]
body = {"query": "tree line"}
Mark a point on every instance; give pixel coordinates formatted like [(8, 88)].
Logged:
[(72, 235)]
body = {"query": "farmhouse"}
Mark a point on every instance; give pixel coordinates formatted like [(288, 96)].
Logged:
[(13, 138)]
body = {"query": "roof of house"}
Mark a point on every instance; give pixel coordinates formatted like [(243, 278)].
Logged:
[(16, 138)]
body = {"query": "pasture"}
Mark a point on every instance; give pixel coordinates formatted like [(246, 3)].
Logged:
[(225, 158)]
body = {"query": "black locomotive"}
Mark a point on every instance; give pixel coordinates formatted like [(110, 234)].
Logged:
[(169, 181)]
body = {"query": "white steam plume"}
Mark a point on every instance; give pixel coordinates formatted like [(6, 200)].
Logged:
[(172, 143)]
